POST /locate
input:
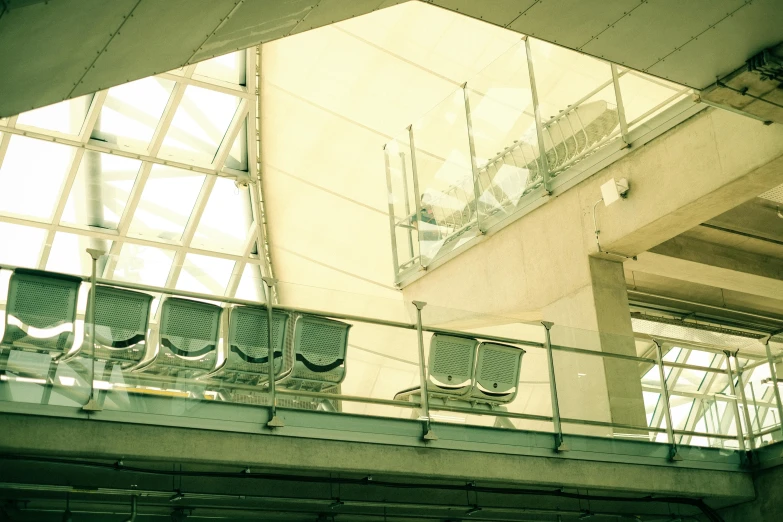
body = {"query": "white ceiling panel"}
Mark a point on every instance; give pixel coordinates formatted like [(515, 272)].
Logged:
[(329, 11), (46, 48), (498, 12), (629, 40), (571, 23)]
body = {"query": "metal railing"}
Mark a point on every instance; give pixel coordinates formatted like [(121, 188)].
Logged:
[(269, 395), (433, 220)]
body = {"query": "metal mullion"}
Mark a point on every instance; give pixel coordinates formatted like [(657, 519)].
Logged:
[(92, 115), (65, 191), (239, 266), (108, 148), (239, 119), (223, 87), (127, 216), (190, 229), (6, 138), (257, 199), (144, 172), (112, 235)]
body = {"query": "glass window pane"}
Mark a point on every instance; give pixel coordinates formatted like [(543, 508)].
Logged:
[(22, 245), (160, 215), (68, 254), (32, 176), (100, 190), (199, 126), (226, 219), (237, 156), (250, 285), (143, 264), (131, 113), (205, 274), (66, 117), (228, 68)]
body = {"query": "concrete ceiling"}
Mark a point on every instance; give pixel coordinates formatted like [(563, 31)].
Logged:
[(691, 43), (59, 49), (730, 267)]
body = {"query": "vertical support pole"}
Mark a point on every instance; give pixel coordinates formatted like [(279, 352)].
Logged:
[(416, 194), (543, 162), (89, 326), (774, 377), (392, 218), (472, 152), (620, 107), (274, 421), (733, 390), (425, 402), (673, 455), (407, 202), (748, 425), (560, 445)]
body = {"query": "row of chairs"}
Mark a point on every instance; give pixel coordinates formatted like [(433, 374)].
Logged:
[(464, 369), (308, 352)]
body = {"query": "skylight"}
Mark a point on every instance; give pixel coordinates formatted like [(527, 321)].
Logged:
[(145, 171)]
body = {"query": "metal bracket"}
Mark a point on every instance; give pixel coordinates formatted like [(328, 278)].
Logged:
[(275, 422), (429, 436), (92, 406)]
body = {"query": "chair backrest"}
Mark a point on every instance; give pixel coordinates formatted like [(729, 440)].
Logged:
[(451, 364), (43, 303), (122, 319), (497, 372), (320, 346), (189, 331), (248, 339)]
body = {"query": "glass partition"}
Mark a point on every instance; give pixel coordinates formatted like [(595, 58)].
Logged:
[(503, 123), (447, 190), (185, 352), (403, 201), (477, 156)]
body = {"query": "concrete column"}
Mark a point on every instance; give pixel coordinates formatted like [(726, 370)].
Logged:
[(597, 317)]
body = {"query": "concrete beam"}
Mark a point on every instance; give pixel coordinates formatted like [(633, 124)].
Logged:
[(714, 265), (696, 171), (90, 439)]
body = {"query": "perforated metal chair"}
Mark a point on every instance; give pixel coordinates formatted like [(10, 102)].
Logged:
[(451, 368), (319, 352), (121, 321), (41, 312), (188, 338), (497, 373), (248, 345)]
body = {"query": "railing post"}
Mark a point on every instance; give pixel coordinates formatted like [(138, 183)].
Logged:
[(733, 389), (89, 325), (472, 152), (404, 172), (673, 454), (543, 162), (274, 421), (774, 377), (425, 403), (748, 424), (560, 445), (416, 195), (392, 218), (620, 107)]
